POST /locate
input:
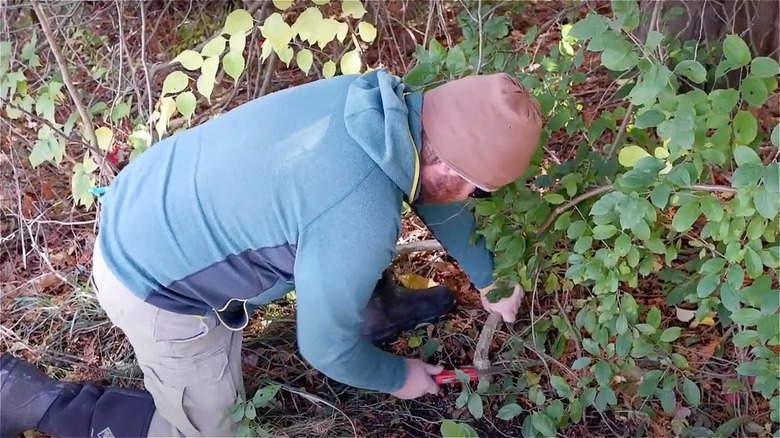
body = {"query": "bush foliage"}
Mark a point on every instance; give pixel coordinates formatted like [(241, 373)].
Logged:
[(680, 200)]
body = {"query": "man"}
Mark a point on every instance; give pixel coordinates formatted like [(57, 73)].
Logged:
[(299, 190)]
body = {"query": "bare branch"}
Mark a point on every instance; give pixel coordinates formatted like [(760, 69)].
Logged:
[(90, 130), (569, 204)]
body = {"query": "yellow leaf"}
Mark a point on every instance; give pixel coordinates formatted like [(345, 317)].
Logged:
[(629, 155), (104, 136), (708, 320), (320, 2), (304, 60), (329, 69), (367, 31), (307, 24), (326, 31), (285, 54), (238, 22), (282, 4), (414, 281), (350, 63), (354, 8), (276, 32), (342, 31), (661, 153)]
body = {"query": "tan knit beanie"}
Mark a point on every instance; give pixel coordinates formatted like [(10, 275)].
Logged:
[(485, 127)]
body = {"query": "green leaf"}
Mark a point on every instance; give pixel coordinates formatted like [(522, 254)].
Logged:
[(603, 232), (350, 63), (745, 338), (692, 70), (453, 429), (660, 195), (543, 424), (238, 22), (653, 39), (746, 316), (456, 60), (653, 82), (754, 91), (752, 369), (648, 118), (670, 334), (233, 63), (767, 204), (686, 216), (576, 229), (707, 285), (185, 103), (745, 127), (711, 208), (592, 25), (282, 4), (190, 59), (746, 175), (560, 385), (764, 67), (603, 372), (475, 405), (619, 56), (735, 50), (580, 363), (304, 59), (509, 411), (605, 397), (771, 177), (723, 101), (554, 198), (691, 392), (631, 154), (753, 263), (654, 317), (175, 82)]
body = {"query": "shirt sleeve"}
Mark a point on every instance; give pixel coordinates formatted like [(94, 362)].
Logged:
[(338, 263), (452, 225)]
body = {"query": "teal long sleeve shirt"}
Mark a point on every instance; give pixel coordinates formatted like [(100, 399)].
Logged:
[(298, 190)]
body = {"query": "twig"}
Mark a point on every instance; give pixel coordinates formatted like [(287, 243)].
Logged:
[(270, 68), (55, 49), (423, 245), (619, 134), (569, 204), (713, 188), (482, 350)]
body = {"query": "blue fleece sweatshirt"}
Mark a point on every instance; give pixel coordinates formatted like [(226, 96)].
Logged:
[(298, 190)]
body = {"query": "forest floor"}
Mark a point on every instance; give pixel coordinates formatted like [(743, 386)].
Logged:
[(51, 317)]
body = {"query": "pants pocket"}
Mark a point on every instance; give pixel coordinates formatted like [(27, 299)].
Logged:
[(194, 393)]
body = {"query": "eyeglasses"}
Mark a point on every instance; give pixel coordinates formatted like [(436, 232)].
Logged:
[(480, 194)]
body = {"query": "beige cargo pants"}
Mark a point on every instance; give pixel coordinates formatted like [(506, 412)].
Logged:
[(191, 365)]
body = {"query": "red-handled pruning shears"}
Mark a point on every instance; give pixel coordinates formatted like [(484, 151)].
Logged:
[(449, 376)]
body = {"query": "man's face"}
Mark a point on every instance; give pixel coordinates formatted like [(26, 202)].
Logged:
[(441, 185)]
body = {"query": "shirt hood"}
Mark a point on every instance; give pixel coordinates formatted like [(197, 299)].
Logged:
[(383, 116)]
